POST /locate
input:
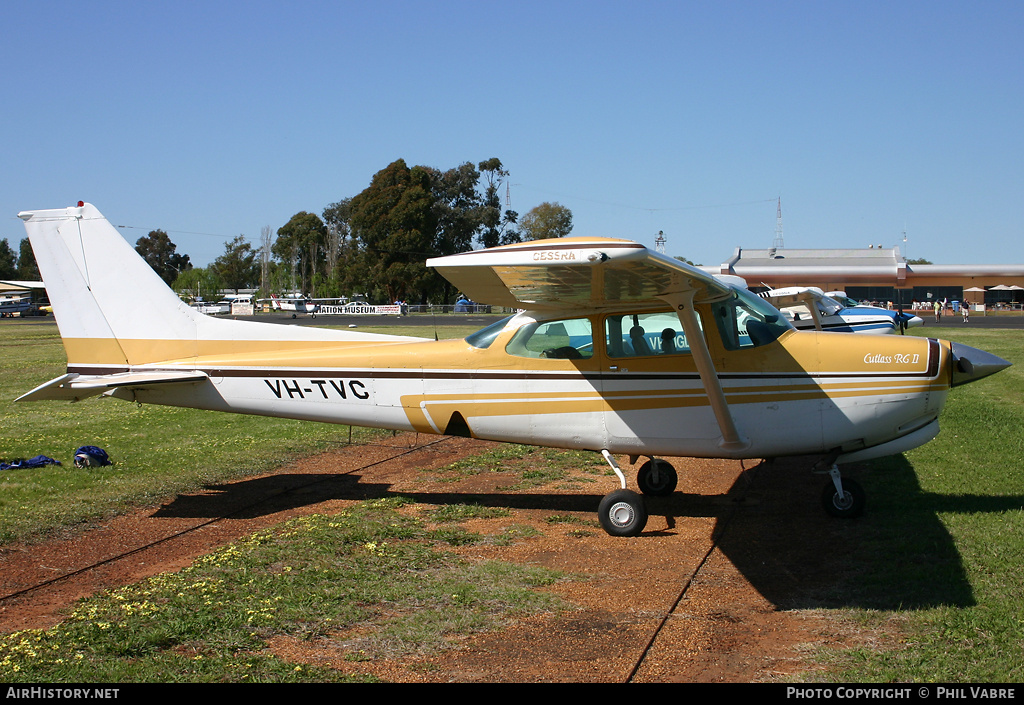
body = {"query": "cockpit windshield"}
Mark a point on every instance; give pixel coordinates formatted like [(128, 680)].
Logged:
[(485, 336), (746, 320), (843, 299)]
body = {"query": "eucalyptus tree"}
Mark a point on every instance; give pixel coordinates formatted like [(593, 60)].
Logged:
[(396, 221), (300, 243), (497, 227), (239, 266), (198, 283), (548, 220), (342, 251), (161, 254), (8, 261), (408, 214)]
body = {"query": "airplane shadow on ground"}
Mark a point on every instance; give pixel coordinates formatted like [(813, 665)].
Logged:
[(770, 525), (898, 555)]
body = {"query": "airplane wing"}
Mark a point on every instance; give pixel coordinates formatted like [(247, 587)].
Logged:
[(18, 284), (568, 273), (781, 298), (72, 387), (603, 274)]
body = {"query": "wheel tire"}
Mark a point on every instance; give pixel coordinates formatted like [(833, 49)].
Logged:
[(622, 513), (666, 481), (847, 507)]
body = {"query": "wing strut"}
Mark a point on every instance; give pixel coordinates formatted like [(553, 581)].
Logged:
[(683, 304), (812, 306)]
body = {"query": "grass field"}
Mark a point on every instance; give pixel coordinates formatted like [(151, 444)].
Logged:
[(158, 451), (956, 612), (939, 589)]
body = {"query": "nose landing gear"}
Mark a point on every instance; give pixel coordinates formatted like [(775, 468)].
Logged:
[(841, 498)]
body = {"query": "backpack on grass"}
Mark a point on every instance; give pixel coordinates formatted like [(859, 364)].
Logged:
[(91, 456)]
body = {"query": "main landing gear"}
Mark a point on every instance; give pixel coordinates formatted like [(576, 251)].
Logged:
[(623, 512)]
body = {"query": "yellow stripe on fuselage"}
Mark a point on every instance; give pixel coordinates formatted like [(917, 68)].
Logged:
[(431, 412)]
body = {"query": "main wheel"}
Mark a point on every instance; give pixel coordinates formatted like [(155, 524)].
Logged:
[(622, 513), (848, 506), (657, 478)]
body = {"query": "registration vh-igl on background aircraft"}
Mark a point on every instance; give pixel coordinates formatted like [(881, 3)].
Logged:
[(618, 350)]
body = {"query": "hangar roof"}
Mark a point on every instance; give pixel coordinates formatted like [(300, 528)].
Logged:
[(871, 266), (875, 265)]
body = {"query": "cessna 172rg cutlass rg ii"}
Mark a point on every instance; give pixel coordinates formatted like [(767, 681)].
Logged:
[(619, 350)]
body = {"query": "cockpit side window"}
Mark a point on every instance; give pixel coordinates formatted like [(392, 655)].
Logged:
[(643, 334), (565, 339), (745, 320)]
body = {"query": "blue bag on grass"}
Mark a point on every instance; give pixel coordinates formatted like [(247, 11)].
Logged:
[(36, 462), (89, 456)]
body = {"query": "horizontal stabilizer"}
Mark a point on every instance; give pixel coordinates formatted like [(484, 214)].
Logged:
[(72, 387)]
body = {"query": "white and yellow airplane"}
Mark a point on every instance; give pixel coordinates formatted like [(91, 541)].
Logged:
[(619, 350)]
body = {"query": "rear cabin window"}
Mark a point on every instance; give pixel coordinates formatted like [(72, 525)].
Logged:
[(566, 339), (642, 334)]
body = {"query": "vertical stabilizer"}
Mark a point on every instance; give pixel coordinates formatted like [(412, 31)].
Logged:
[(102, 292), (114, 312)]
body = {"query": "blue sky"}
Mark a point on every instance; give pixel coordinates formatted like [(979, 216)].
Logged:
[(213, 119)]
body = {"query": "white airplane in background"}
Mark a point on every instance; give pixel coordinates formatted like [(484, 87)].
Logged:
[(620, 350), (811, 308), (295, 304)]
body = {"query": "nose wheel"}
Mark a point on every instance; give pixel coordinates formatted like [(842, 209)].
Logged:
[(841, 498)]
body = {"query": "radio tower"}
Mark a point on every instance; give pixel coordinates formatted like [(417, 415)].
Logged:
[(659, 242), (778, 227)]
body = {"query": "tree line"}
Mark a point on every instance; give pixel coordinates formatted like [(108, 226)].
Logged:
[(374, 243), (20, 265)]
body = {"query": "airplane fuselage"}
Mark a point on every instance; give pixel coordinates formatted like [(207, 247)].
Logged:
[(806, 392)]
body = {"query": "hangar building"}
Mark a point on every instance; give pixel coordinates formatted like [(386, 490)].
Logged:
[(877, 274)]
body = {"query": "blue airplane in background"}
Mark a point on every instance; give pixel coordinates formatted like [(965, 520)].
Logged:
[(809, 307)]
